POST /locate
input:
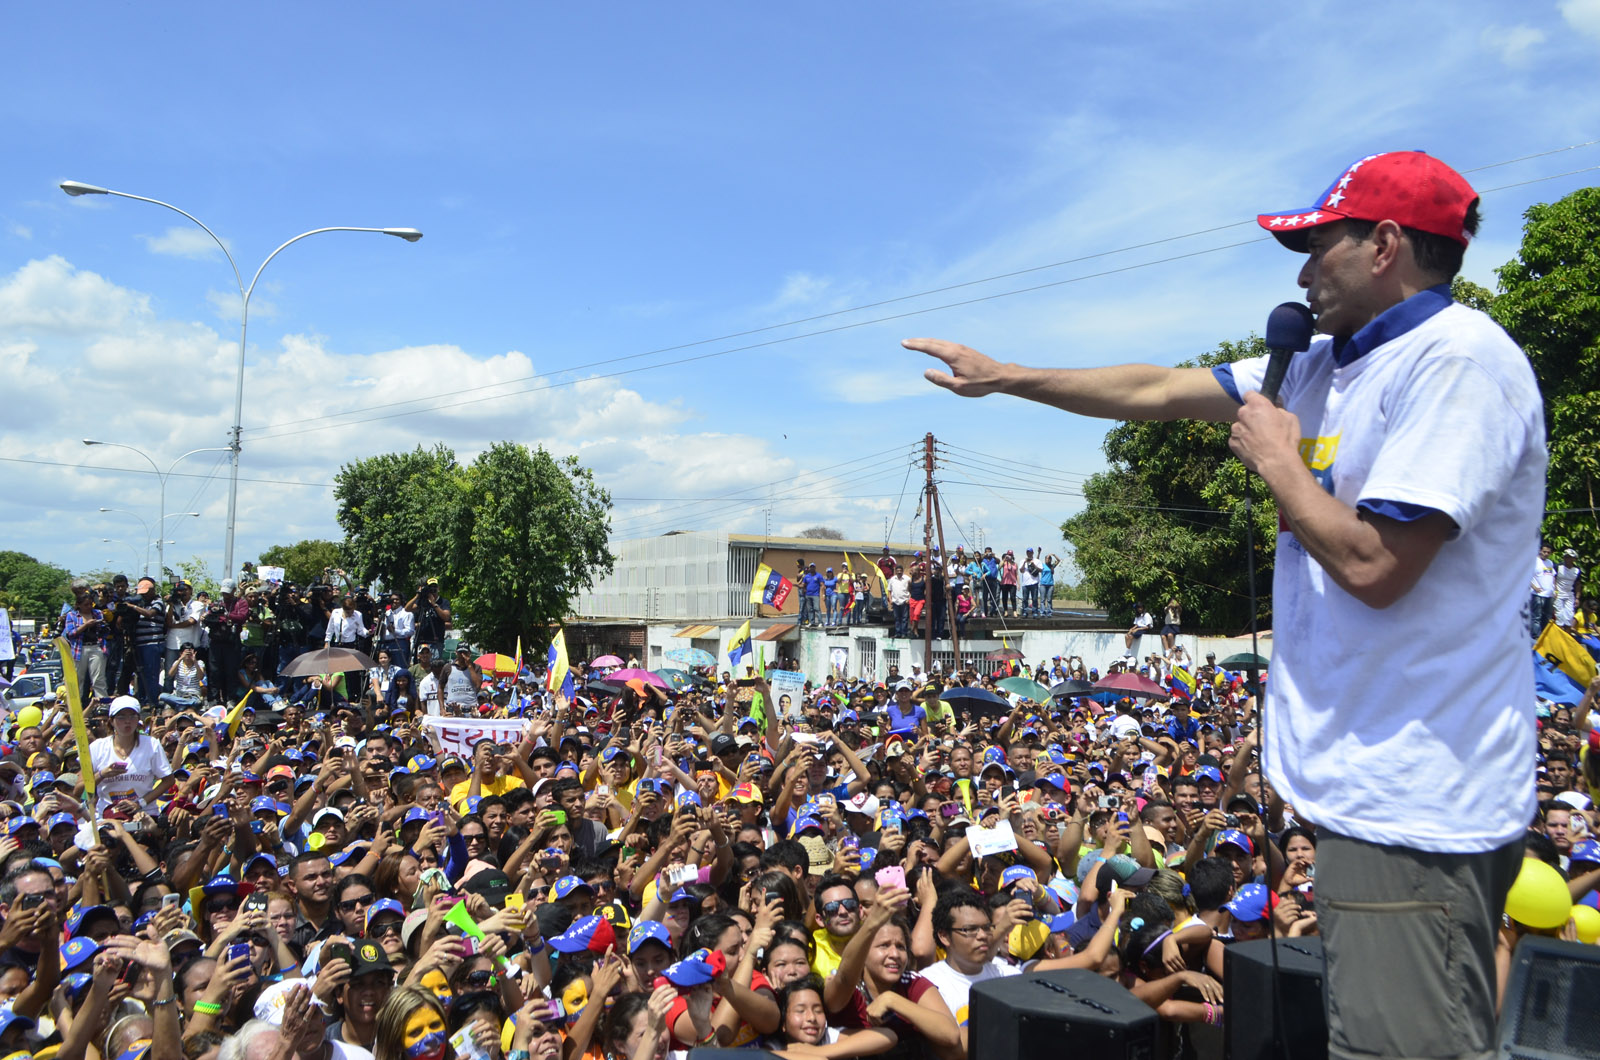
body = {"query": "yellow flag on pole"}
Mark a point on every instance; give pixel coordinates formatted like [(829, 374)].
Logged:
[(80, 730), (883, 583), (237, 713)]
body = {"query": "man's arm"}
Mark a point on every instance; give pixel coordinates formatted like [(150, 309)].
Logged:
[(1120, 392), (1372, 557)]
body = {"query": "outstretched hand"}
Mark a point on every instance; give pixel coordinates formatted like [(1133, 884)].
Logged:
[(971, 373)]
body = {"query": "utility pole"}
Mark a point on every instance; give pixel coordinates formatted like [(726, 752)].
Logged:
[(928, 499), (949, 587)]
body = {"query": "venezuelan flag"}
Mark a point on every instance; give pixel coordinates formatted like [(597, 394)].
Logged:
[(1181, 682), (560, 676), (739, 646)]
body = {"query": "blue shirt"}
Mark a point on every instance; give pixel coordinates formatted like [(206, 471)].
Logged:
[(812, 583), (829, 585)]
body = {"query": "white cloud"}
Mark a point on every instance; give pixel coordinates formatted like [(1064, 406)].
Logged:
[(1583, 16), (183, 242), (21, 231), (1514, 44), (166, 387), (868, 388)]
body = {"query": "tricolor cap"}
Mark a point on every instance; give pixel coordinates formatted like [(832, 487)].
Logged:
[(566, 885), (58, 819), (1211, 773), (1587, 851), (593, 933), (221, 883), (697, 968), (264, 804), (421, 763), (648, 931), (1411, 188), (1234, 837), (804, 824), (1250, 903), (384, 905), (744, 792), (1016, 873), (77, 953), (686, 798)]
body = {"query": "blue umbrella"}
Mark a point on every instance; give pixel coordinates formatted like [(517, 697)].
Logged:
[(677, 679), (691, 656)]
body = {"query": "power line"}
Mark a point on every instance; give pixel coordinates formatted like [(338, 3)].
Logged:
[(393, 413), (773, 342), (148, 471)]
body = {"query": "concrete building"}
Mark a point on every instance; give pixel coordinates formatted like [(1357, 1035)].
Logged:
[(692, 590)]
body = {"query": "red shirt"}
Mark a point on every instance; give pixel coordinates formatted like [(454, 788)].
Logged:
[(745, 1033)]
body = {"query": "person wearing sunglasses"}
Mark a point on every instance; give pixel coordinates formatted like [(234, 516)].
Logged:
[(838, 917), (353, 896)]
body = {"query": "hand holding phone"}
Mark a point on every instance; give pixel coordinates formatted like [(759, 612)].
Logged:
[(891, 876)]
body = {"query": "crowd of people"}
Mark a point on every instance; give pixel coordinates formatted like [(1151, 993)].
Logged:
[(933, 588), (639, 872)]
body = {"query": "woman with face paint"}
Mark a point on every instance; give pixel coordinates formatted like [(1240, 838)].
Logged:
[(410, 1026)]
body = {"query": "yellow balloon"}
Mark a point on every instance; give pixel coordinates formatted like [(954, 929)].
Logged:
[(1587, 920), (1539, 898), (29, 716)]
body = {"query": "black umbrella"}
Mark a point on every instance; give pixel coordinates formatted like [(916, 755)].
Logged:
[(979, 701), (603, 686), (1073, 688), (1246, 660)]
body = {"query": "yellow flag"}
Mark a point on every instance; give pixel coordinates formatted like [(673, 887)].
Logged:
[(69, 681), (1570, 657), (236, 714), (883, 583)]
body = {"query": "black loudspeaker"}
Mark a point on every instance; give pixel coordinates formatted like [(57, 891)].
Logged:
[(1549, 1012), (1247, 970), (1070, 1013)]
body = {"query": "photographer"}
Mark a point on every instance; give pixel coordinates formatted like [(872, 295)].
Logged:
[(223, 622), (432, 617), (395, 630), (185, 616), (149, 614)]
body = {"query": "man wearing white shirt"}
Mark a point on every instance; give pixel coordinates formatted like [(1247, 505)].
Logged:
[(964, 930), (184, 615), (345, 624), (1408, 462), (395, 630), (1542, 588)]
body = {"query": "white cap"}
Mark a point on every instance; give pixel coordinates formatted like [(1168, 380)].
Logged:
[(326, 811), (1577, 800), (229, 585), (122, 703), (862, 803), (906, 685)]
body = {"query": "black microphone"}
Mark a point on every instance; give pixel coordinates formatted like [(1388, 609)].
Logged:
[(1289, 330)]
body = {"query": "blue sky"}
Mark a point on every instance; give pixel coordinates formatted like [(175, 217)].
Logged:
[(598, 182)]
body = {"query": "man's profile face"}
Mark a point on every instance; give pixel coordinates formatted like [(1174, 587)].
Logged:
[(1337, 277)]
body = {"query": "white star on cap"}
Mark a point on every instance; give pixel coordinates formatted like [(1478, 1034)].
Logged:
[(1357, 166), (1276, 221), (1344, 181), (1334, 200), (1293, 221), (1311, 218), (1369, 158)]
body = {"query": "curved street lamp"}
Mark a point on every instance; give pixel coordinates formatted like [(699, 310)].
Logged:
[(410, 235), (161, 523)]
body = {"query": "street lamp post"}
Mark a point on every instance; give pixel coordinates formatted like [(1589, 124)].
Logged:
[(130, 548), (410, 235), (143, 523), (161, 523)]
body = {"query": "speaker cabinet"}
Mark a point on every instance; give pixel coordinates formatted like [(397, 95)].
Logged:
[(1251, 1032), (1068, 1013), (1552, 1004)]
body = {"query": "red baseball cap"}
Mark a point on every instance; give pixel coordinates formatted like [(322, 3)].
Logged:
[(1411, 188)]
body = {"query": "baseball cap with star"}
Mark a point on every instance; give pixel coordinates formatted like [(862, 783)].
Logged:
[(1411, 188)]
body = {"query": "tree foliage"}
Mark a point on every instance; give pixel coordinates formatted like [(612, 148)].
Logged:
[(512, 537), (394, 509), (304, 561), (1167, 518), (822, 533), (31, 588), (1549, 301)]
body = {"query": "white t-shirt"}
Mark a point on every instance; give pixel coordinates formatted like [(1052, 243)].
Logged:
[(147, 764), (955, 987), (1428, 702), (177, 638)]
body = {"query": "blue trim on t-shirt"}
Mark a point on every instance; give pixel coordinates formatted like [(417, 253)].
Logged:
[(1391, 324), (1399, 511), (1224, 375)]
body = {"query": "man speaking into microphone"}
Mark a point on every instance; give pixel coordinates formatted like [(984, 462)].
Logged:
[(1408, 463)]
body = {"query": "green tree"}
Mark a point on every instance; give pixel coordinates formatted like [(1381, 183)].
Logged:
[(30, 588), (393, 509), (304, 561), (1549, 301), (512, 538), (1167, 518), (529, 533), (197, 572)]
